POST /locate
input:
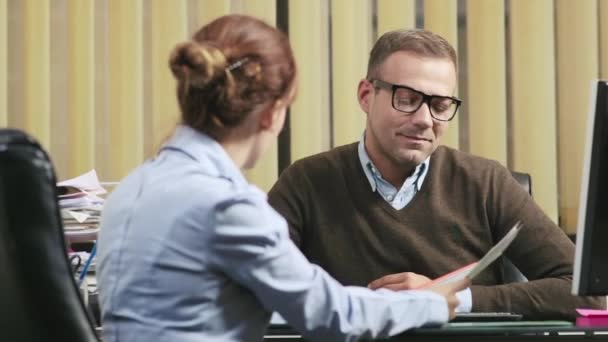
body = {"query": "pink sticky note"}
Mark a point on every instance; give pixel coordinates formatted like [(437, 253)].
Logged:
[(592, 312)]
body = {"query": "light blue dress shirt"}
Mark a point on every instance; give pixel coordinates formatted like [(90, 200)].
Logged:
[(189, 251), (399, 198)]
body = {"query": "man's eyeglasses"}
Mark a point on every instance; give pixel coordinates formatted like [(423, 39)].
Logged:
[(409, 100)]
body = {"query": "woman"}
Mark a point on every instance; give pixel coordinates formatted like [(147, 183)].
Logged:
[(189, 251)]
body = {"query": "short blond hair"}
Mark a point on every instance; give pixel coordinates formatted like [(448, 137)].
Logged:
[(418, 41)]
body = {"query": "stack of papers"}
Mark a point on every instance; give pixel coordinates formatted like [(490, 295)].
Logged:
[(80, 202)]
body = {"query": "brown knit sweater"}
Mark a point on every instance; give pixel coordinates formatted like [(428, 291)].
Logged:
[(465, 205)]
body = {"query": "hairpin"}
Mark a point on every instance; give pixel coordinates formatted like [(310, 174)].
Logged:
[(237, 64)]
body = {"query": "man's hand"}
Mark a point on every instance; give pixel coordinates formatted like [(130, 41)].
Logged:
[(448, 291), (400, 281)]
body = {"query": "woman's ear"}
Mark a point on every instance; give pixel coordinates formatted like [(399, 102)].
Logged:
[(274, 116)]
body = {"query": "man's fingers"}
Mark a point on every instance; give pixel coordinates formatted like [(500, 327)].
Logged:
[(461, 284), (399, 281), (386, 280), (448, 291), (397, 287)]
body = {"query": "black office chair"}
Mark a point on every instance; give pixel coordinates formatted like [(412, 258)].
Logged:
[(524, 180), (39, 299), (512, 274)]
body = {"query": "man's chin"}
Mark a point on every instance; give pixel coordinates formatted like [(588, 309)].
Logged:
[(412, 158), (416, 156)]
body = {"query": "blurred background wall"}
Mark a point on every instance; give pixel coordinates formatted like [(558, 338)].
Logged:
[(89, 78)]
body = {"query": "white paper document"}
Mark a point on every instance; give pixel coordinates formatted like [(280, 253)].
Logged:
[(87, 182), (472, 270)]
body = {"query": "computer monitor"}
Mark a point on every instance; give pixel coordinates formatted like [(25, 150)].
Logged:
[(591, 255)]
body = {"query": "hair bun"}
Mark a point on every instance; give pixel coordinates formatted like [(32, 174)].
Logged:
[(199, 64)]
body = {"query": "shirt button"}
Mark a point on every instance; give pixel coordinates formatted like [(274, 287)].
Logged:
[(390, 197)]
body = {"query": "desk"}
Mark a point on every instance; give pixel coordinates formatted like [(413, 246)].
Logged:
[(475, 334), (81, 235)]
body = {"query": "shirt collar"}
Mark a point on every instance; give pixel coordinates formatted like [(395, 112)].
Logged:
[(206, 151), (369, 167)]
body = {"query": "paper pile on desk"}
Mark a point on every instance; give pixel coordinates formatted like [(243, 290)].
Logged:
[(80, 201)]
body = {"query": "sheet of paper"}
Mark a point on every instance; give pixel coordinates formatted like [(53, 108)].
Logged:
[(87, 182), (451, 277), (78, 216), (472, 270), (496, 251)]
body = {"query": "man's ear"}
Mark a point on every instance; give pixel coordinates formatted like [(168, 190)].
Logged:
[(364, 92)]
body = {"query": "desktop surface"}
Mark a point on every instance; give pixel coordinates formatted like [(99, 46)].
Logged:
[(479, 332)]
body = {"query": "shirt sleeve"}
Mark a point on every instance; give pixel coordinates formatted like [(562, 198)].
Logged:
[(465, 300), (251, 245)]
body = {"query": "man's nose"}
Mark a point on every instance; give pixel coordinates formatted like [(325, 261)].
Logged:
[(422, 117)]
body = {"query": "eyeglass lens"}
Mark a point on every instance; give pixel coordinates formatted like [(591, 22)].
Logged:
[(409, 100)]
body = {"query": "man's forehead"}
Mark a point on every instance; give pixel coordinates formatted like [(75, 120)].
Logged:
[(412, 57), (432, 75)]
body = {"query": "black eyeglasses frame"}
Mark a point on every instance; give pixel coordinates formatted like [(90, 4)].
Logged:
[(426, 98)]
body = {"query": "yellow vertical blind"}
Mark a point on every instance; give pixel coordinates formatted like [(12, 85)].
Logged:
[(577, 44), (263, 9), (59, 78), (395, 14), (441, 17), (3, 64), (351, 43), (527, 96), (126, 77), (36, 72), (103, 145), (487, 102), (309, 117), (169, 25), (211, 9), (81, 84), (603, 35), (533, 98)]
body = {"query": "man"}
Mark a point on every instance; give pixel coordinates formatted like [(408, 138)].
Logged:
[(397, 209)]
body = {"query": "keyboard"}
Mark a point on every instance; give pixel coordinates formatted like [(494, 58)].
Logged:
[(486, 316)]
